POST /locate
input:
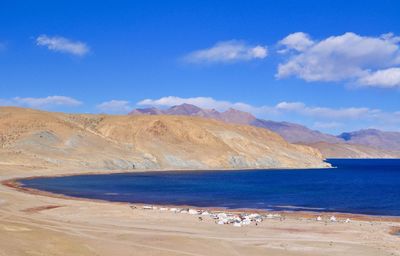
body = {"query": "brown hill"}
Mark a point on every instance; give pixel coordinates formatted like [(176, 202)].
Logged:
[(373, 138), (360, 144), (293, 133), (296, 133), (230, 116), (346, 150), (44, 139)]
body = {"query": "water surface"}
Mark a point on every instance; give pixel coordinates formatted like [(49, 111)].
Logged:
[(355, 186)]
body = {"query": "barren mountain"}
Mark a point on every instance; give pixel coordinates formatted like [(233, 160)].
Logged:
[(346, 150), (229, 116), (45, 139), (296, 133), (374, 138), (360, 144), (293, 133)]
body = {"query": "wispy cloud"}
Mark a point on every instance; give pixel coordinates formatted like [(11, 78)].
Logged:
[(41, 103), (115, 107), (62, 44), (227, 52), (321, 117), (366, 61)]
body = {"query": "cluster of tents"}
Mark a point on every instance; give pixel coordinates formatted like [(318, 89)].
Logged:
[(235, 219)]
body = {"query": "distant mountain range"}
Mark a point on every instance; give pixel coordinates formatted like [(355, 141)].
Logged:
[(229, 116), (366, 143), (373, 138)]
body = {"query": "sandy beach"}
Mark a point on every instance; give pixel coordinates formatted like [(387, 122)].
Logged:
[(32, 224)]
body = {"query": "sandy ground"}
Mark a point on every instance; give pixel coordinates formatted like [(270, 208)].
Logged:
[(33, 224)]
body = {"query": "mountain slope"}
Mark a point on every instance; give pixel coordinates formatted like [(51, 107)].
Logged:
[(346, 150), (373, 138), (293, 133), (45, 139), (361, 144), (229, 116), (296, 133)]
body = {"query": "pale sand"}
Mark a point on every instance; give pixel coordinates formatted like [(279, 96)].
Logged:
[(39, 225)]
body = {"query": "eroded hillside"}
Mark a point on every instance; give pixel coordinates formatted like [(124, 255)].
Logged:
[(50, 140)]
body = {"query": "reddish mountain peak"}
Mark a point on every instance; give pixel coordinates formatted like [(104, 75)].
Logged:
[(211, 113), (183, 109), (237, 116), (236, 111), (146, 111), (231, 115)]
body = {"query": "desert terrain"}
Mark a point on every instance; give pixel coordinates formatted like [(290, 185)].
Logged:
[(37, 143)]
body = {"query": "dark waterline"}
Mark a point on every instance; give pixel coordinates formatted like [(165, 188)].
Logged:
[(355, 186)]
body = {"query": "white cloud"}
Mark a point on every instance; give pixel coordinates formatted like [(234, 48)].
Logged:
[(61, 44), (385, 78), (115, 107), (320, 117), (323, 112), (348, 57), (228, 52), (391, 37), (46, 102), (298, 41)]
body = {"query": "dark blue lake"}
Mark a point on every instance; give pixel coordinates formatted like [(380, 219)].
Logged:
[(355, 186)]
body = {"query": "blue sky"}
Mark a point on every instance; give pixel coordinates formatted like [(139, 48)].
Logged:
[(330, 65)]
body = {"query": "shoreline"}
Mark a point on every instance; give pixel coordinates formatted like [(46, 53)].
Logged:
[(35, 222), (15, 183)]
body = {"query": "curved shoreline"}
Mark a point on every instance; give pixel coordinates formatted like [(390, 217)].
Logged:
[(15, 183), (53, 224)]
